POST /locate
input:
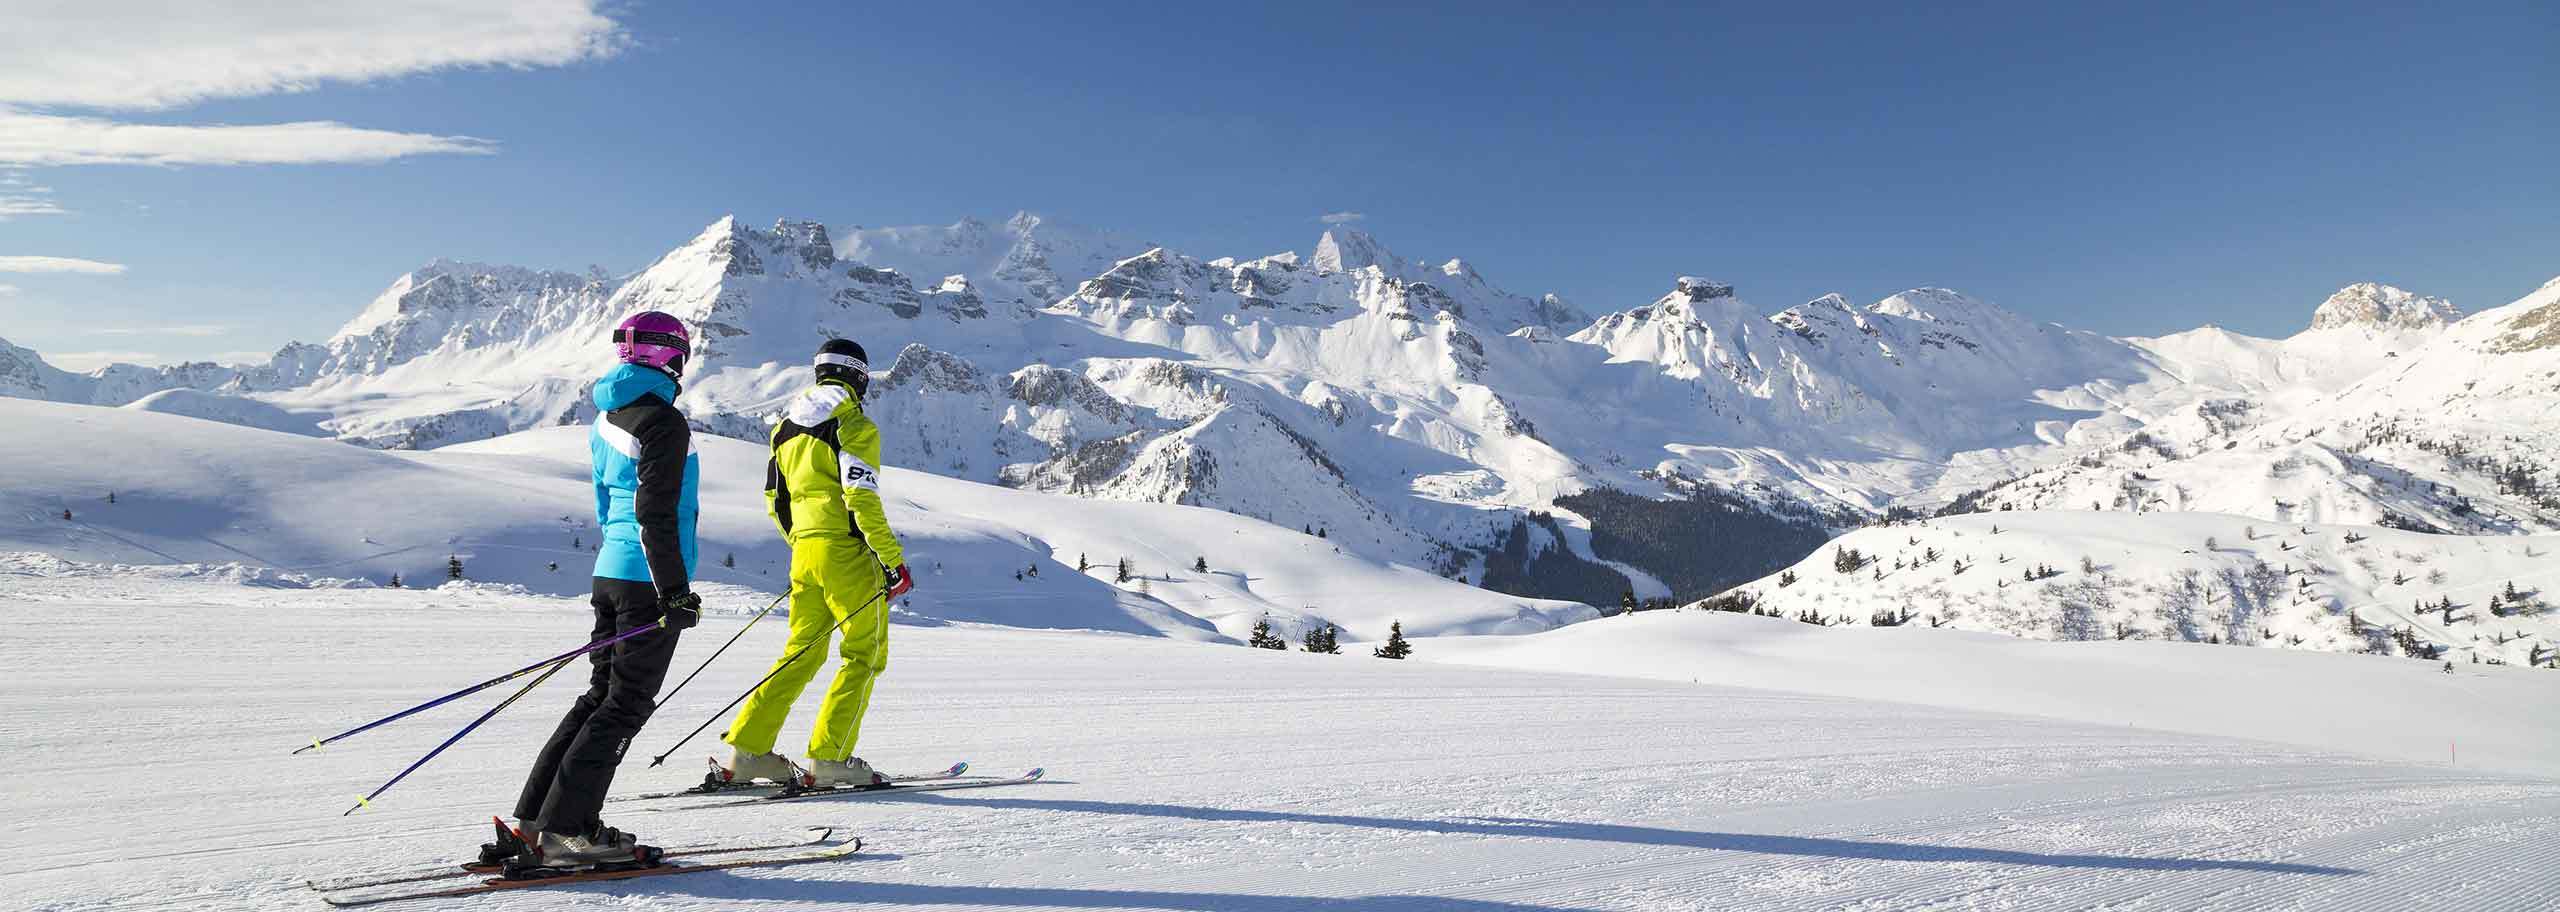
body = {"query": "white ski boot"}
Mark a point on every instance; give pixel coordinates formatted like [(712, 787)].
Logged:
[(744, 768), (850, 772), (603, 846)]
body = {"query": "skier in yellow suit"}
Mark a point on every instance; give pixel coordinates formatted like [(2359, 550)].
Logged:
[(822, 488)]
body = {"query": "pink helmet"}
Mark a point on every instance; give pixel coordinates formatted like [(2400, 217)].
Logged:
[(655, 339)]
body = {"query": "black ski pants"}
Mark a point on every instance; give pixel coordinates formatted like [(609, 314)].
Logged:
[(565, 793)]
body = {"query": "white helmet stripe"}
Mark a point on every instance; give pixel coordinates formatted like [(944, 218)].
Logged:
[(845, 360)]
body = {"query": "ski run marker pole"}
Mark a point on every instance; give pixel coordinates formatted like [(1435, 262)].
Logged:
[(795, 655), (724, 647), (563, 662), (476, 688)]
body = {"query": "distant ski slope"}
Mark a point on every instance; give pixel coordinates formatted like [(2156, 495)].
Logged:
[(191, 491)]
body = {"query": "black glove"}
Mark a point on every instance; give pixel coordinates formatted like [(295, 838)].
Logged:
[(680, 611)]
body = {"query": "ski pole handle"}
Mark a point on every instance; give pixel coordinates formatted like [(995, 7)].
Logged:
[(476, 688)]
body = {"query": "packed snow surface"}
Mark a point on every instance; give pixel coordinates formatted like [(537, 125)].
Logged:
[(149, 722)]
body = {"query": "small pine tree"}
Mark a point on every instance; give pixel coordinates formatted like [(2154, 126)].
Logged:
[(1325, 640), (1124, 575), (729, 560), (453, 567), (1396, 647), (1627, 602), (395, 581), (578, 541), (1200, 564), (1263, 638), (1320, 533)]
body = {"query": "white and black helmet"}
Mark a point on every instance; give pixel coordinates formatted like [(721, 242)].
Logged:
[(841, 359)]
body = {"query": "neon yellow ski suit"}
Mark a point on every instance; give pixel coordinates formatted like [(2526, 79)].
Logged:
[(822, 488)]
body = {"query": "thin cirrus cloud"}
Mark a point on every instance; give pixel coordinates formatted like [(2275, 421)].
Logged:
[(21, 196), (133, 55), (57, 264), (1344, 217)]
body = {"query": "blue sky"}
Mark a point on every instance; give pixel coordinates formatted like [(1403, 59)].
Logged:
[(2138, 170)]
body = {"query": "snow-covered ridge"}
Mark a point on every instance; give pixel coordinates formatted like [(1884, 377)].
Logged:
[(1416, 410)]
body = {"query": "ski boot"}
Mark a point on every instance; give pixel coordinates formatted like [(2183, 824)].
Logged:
[(850, 772), (510, 843), (600, 849), (744, 768)]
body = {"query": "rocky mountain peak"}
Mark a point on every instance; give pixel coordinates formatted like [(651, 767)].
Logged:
[(1695, 290), (2373, 305), (1343, 249)]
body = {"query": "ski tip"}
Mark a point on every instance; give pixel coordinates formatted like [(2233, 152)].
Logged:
[(957, 768), (1035, 774)]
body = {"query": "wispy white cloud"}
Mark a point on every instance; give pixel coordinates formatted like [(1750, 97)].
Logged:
[(197, 329), (109, 55), (22, 196), (92, 360), (1344, 217), (146, 55), (58, 264), (53, 139)]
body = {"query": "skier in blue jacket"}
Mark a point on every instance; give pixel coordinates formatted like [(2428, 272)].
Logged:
[(646, 476)]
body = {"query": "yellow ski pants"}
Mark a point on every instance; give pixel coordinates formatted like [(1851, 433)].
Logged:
[(831, 578)]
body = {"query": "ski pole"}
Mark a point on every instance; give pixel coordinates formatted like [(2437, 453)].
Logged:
[(724, 647), (777, 669), (563, 662), (476, 688)]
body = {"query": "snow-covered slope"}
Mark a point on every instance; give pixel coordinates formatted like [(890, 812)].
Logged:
[(189, 491), (2438, 427), (2190, 577), (2486, 716), (1219, 779)]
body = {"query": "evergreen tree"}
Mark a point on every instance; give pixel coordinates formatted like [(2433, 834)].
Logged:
[(578, 541), (453, 567), (1200, 564), (1627, 602), (1324, 640), (1124, 575), (1396, 647), (1321, 534), (729, 560), (1263, 638), (395, 580)]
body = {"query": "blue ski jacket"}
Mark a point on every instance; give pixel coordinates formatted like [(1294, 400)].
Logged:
[(646, 478)]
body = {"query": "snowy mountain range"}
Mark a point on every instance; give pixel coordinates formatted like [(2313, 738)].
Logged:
[(1422, 414)]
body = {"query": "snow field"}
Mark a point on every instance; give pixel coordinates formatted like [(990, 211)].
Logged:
[(1195, 777)]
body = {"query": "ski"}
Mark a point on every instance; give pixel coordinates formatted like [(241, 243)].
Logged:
[(711, 784), (871, 791), (822, 837), (361, 897)]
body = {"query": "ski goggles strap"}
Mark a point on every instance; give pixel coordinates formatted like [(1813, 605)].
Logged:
[(651, 337)]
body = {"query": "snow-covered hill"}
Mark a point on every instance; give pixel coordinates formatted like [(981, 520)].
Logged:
[(1412, 412), (2188, 577), (1198, 778), (518, 510)]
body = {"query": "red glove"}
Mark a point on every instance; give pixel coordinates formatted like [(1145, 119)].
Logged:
[(899, 582)]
